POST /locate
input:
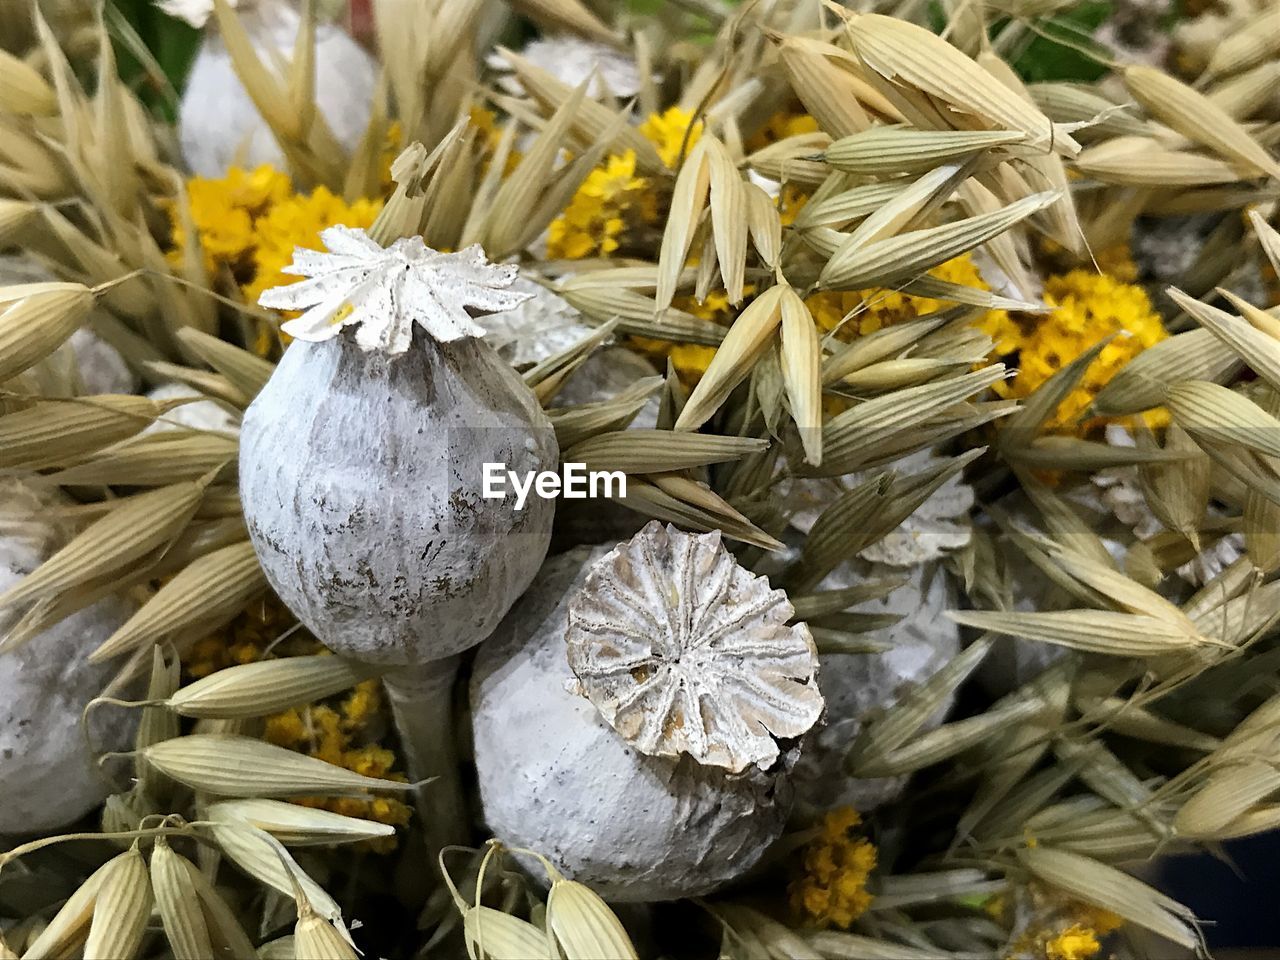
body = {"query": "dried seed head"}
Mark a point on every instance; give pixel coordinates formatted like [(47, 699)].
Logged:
[(204, 595), (36, 319), (549, 766), (45, 684), (267, 686), (583, 924), (314, 937), (226, 765), (361, 477), (122, 908), (297, 825), (178, 903), (685, 652)]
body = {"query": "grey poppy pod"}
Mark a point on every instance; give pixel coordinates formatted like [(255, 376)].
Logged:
[(220, 126), (555, 777), (45, 684), (856, 688), (361, 475)]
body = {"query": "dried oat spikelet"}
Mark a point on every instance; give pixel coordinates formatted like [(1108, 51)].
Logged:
[(178, 903), (267, 686), (910, 61), (684, 651), (122, 909), (36, 319), (108, 914), (314, 938), (295, 825), (204, 595), (225, 765), (583, 924)]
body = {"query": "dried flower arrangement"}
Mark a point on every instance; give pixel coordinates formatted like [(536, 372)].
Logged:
[(940, 596)]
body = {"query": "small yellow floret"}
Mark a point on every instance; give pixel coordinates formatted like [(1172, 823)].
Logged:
[(1088, 307), (610, 200), (223, 211), (878, 308), (837, 864), (1074, 943), (667, 132)]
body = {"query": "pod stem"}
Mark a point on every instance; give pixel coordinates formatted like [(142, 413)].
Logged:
[(421, 699)]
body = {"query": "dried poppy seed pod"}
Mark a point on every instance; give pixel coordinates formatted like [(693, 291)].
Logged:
[(858, 686), (219, 124), (684, 651), (201, 414), (557, 778), (362, 468), (45, 685), (362, 459)]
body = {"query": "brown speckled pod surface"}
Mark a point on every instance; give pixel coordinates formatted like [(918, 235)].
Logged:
[(361, 478)]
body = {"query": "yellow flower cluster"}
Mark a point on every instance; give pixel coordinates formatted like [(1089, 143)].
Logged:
[(1088, 306), (249, 221), (671, 132), (837, 863), (224, 211), (1074, 943), (613, 199), (246, 639), (489, 135), (872, 310), (1061, 930), (1049, 926), (610, 200), (296, 221), (327, 733), (342, 732)]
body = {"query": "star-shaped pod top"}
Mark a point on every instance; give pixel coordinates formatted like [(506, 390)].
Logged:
[(682, 650), (388, 289)]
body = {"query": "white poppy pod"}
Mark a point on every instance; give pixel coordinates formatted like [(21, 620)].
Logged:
[(219, 126), (857, 686), (538, 328), (45, 762), (199, 415), (557, 778), (686, 652), (571, 60), (361, 477), (362, 460)]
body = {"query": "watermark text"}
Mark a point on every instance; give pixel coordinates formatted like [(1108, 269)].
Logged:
[(573, 482)]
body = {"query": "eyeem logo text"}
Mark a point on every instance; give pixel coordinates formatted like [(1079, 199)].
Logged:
[(574, 482)]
